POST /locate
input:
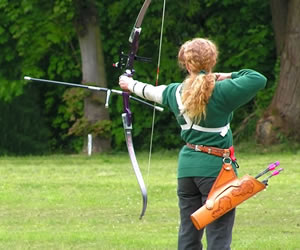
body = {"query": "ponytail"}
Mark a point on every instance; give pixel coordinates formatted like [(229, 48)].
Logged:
[(197, 89)]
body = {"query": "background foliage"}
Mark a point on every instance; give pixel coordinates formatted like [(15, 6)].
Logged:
[(37, 38)]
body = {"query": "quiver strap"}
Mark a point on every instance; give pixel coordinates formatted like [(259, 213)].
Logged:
[(226, 193)]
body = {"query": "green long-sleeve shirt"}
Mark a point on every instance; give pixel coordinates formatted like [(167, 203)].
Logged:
[(227, 96)]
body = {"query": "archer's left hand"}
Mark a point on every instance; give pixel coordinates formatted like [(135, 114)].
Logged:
[(125, 81)]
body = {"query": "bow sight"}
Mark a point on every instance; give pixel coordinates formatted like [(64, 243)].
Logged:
[(123, 60)]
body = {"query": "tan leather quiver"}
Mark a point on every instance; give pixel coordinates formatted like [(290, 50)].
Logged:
[(227, 192)]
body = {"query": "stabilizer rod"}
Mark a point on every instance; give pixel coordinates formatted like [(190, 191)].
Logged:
[(94, 88)]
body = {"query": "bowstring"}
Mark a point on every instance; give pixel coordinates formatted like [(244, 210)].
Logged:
[(156, 84)]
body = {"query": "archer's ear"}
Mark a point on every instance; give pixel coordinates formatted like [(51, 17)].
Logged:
[(188, 69)]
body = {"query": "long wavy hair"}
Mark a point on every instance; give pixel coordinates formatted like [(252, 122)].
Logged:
[(198, 57)]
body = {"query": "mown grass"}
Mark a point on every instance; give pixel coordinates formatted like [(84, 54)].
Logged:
[(80, 202)]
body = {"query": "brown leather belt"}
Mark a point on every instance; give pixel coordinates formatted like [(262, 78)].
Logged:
[(225, 153)]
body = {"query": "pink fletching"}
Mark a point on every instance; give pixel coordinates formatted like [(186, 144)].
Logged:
[(276, 172), (274, 165)]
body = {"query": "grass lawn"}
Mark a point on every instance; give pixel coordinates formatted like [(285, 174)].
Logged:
[(80, 202)]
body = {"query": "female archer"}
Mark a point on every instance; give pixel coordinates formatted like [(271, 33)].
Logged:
[(203, 105)]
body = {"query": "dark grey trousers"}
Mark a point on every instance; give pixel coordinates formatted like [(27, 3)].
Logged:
[(192, 193)]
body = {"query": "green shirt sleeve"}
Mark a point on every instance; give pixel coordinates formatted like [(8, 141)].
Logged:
[(169, 97), (240, 89)]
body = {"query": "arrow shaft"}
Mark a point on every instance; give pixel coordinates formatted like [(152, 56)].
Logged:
[(269, 168)]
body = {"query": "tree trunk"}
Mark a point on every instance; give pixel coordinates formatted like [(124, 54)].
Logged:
[(279, 10), (93, 70), (283, 114)]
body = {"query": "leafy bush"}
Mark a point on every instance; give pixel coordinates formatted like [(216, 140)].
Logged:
[(39, 39)]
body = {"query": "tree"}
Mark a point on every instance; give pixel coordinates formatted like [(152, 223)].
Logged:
[(96, 117), (282, 118), (38, 39)]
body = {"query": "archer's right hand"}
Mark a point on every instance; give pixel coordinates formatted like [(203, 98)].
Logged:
[(222, 76)]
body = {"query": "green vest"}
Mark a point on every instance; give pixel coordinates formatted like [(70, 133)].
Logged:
[(227, 96)]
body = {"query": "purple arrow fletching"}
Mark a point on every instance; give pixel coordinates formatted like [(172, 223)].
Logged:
[(276, 172), (273, 165)]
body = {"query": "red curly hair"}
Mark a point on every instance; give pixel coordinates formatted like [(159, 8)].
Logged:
[(198, 57)]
